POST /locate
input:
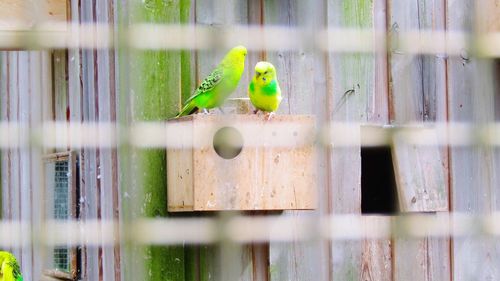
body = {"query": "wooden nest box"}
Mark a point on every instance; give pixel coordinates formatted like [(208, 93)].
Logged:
[(241, 162)]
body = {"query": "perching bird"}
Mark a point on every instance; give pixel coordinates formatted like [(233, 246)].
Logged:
[(264, 90), (9, 268), (217, 86)]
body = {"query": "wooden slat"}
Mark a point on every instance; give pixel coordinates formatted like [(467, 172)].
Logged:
[(302, 79), (417, 94), (420, 175), (40, 110), (377, 260), (60, 99), (90, 187), (352, 88), (472, 169), (4, 96), (24, 160), (295, 70), (422, 259), (418, 82), (14, 163), (106, 168)]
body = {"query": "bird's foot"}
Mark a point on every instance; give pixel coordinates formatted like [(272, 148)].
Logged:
[(269, 115), (205, 111), (255, 111)]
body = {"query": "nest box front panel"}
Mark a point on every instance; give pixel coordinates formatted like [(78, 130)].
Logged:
[(254, 169)]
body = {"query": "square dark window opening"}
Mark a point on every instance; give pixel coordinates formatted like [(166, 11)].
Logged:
[(378, 182)]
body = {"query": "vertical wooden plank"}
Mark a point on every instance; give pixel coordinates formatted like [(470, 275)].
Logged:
[(14, 163), (106, 113), (24, 158), (378, 109), (90, 187), (40, 84), (418, 82), (351, 86), (471, 99), (74, 112), (60, 86), (156, 97), (4, 100), (376, 255), (295, 69), (301, 74), (418, 94)]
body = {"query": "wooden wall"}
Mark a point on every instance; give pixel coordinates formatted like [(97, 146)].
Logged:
[(380, 88)]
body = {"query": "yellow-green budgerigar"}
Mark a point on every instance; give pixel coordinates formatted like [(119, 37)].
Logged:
[(264, 90), (217, 86), (9, 268)]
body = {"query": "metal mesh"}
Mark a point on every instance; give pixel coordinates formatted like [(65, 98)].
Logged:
[(61, 210)]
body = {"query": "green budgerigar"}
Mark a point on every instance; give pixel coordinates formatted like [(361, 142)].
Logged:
[(217, 86), (9, 267), (264, 90)]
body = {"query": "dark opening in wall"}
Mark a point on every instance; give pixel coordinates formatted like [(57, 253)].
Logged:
[(378, 184)]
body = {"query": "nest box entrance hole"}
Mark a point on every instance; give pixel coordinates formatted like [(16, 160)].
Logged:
[(228, 142)]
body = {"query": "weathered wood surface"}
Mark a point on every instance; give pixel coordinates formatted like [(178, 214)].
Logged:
[(25, 76), (473, 170), (301, 74), (377, 259), (420, 172), (417, 92), (356, 91)]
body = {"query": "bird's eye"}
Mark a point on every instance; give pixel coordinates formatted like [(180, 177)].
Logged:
[(265, 72)]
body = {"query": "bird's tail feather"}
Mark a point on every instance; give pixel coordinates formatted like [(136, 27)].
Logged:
[(189, 108)]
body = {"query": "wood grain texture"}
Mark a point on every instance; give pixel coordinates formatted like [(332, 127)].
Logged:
[(107, 166), (418, 94), (422, 259), (351, 90), (301, 75), (3, 118), (90, 187), (418, 82), (420, 174), (281, 177), (15, 14), (22, 102), (377, 260), (470, 99), (155, 97), (41, 110)]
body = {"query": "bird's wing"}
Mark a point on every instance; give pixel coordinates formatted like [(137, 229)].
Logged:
[(208, 83), (16, 270)]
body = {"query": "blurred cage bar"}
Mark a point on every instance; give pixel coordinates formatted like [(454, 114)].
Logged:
[(405, 95)]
